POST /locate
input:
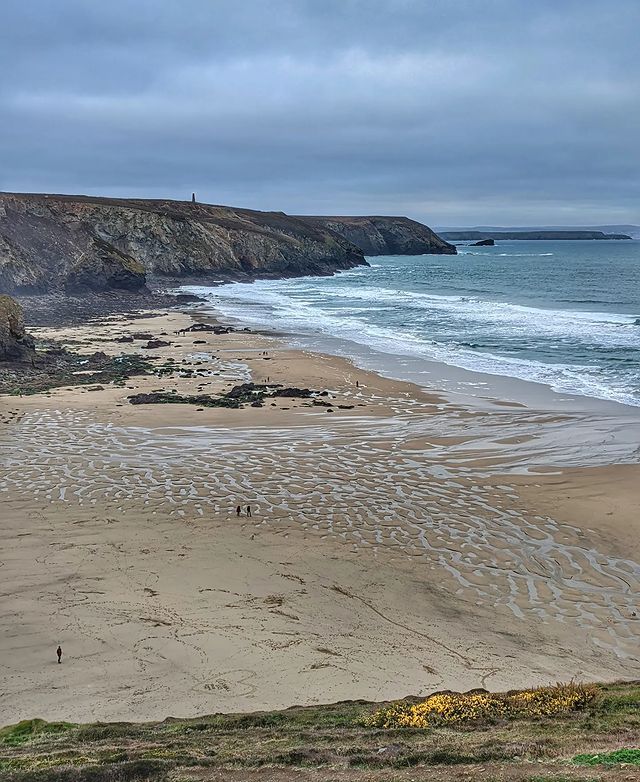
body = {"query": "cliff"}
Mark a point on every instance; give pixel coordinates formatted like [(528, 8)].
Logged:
[(76, 243), (385, 235)]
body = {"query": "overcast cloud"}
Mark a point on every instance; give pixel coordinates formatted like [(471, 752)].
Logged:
[(451, 111)]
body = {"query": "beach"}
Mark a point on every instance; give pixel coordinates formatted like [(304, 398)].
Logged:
[(400, 541)]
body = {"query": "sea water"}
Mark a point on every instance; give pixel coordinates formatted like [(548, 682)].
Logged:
[(562, 313)]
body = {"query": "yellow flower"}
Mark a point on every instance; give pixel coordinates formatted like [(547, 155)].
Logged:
[(455, 708)]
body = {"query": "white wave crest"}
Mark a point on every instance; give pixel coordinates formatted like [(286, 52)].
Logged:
[(428, 326)]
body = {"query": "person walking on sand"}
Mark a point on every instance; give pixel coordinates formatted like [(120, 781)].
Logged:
[(238, 511), (59, 653), (249, 511)]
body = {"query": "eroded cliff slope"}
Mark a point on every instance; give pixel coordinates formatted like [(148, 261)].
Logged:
[(385, 235), (57, 242)]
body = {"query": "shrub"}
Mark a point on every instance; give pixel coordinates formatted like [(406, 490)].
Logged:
[(457, 708)]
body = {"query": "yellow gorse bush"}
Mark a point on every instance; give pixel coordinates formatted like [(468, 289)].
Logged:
[(456, 708)]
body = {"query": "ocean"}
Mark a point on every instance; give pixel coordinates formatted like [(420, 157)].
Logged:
[(562, 313)]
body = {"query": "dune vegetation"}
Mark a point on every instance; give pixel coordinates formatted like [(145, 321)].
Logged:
[(570, 732)]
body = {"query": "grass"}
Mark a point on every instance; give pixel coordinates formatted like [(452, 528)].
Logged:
[(332, 743), (628, 756), (135, 771), (28, 729)]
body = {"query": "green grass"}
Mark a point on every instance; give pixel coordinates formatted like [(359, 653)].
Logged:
[(26, 730), (630, 756), (331, 742)]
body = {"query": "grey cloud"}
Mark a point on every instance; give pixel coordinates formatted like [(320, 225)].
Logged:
[(489, 111)]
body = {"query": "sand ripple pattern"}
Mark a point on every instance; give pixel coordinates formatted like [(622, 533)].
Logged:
[(394, 492)]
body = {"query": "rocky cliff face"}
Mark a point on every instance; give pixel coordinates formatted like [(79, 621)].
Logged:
[(385, 235), (54, 242), (15, 343)]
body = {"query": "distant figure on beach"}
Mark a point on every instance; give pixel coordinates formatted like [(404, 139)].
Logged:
[(249, 511), (59, 653), (238, 511), (357, 384)]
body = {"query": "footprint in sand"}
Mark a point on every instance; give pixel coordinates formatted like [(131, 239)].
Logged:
[(445, 514), (236, 682)]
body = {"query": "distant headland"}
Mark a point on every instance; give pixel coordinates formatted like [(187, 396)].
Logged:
[(473, 236)]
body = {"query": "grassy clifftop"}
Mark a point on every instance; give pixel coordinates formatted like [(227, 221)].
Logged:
[(598, 741)]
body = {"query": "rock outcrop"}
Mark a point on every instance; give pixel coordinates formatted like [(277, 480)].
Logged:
[(70, 243), (15, 343), (385, 235), (484, 243)]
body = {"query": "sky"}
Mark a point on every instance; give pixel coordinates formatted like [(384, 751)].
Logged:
[(453, 112)]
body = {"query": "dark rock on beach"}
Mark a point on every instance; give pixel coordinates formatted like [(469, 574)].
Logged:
[(152, 344), (52, 366), (246, 391), (213, 328), (252, 394), (15, 343), (188, 298), (293, 393)]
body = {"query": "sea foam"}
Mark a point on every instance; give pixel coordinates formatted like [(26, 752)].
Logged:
[(572, 334)]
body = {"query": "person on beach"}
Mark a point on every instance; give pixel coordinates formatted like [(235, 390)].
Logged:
[(238, 511), (249, 511), (59, 653)]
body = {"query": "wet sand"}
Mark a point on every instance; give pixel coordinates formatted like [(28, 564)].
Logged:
[(399, 544)]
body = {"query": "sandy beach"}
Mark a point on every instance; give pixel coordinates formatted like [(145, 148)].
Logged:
[(399, 542)]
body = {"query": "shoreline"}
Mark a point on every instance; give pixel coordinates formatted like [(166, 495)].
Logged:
[(403, 543), (615, 426), (614, 418), (466, 386)]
